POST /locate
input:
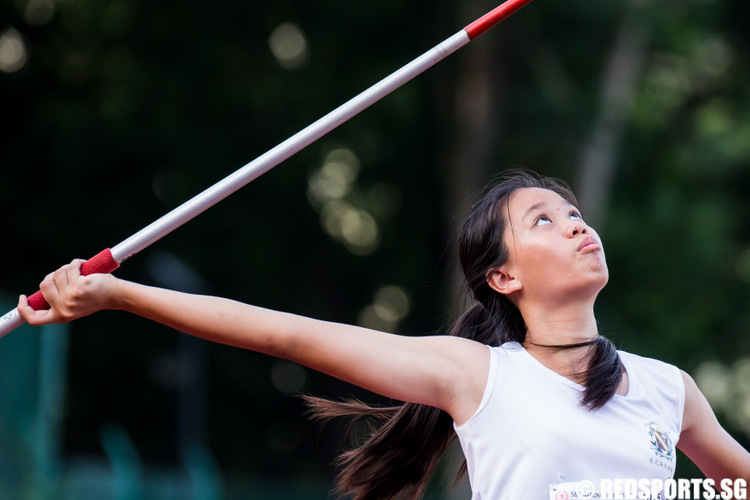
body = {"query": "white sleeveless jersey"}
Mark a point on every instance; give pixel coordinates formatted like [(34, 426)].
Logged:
[(530, 439)]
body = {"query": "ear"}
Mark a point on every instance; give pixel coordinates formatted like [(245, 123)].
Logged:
[(503, 282)]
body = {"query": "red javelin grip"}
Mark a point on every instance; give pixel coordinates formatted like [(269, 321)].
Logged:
[(493, 17), (101, 263)]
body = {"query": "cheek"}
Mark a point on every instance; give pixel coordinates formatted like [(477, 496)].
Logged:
[(539, 259)]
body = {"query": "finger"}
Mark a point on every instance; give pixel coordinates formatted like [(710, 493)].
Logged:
[(50, 290), (61, 279), (32, 316), (73, 271)]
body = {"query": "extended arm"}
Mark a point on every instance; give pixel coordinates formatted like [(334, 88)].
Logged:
[(706, 443), (446, 372)]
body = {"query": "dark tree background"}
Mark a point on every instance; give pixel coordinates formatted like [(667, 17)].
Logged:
[(116, 111)]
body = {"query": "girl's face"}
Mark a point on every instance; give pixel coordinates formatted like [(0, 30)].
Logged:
[(553, 254)]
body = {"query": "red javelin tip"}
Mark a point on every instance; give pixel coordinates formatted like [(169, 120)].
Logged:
[(493, 17)]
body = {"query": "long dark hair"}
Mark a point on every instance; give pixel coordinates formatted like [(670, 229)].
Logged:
[(399, 456)]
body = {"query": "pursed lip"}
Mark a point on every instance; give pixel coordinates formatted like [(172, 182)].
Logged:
[(587, 243)]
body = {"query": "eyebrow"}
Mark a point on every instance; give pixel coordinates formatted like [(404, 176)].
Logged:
[(539, 205), (534, 208)]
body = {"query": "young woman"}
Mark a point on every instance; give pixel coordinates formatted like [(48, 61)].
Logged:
[(543, 405)]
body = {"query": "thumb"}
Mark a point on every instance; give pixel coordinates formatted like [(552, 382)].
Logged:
[(31, 316)]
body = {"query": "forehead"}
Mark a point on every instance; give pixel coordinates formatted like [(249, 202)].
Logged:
[(523, 199)]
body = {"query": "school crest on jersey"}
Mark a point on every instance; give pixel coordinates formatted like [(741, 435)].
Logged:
[(661, 443)]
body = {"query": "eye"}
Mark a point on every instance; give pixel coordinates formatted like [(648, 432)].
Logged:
[(574, 214), (542, 220)]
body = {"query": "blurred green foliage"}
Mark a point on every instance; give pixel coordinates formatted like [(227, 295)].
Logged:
[(121, 110)]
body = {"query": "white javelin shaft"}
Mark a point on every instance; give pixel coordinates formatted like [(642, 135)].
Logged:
[(10, 322), (268, 160), (289, 147)]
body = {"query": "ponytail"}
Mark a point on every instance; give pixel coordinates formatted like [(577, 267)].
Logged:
[(603, 375), (398, 458)]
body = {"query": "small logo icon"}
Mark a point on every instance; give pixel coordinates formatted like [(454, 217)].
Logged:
[(661, 443)]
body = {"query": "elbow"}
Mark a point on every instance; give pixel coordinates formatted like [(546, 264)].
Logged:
[(279, 338)]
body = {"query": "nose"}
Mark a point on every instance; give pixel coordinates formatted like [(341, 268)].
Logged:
[(575, 228)]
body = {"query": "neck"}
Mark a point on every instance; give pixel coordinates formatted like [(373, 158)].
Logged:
[(560, 327), (563, 325)]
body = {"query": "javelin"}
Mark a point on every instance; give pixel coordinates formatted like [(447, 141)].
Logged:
[(110, 259)]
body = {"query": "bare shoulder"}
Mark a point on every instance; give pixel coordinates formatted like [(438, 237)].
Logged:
[(468, 355), (697, 412), (459, 346), (698, 417)]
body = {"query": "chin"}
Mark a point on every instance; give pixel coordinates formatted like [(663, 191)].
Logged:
[(603, 281), (598, 281)]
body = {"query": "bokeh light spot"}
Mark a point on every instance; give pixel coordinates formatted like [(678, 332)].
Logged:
[(289, 45), (389, 307), (13, 53), (38, 12)]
